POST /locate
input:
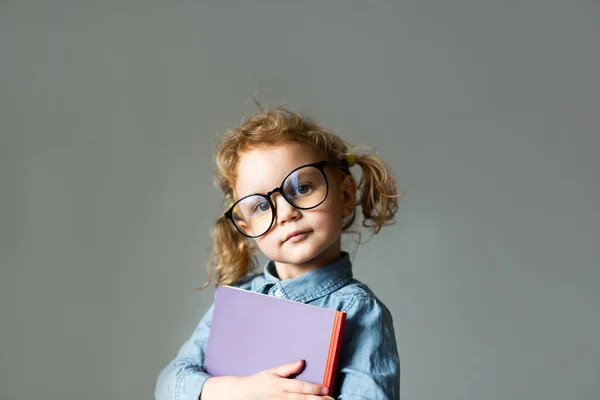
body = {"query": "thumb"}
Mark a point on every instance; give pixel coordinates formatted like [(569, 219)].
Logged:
[(288, 369)]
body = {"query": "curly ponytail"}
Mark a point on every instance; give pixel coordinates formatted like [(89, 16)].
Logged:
[(378, 197), (232, 256)]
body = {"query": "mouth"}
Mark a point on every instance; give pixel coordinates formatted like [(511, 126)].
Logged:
[(296, 236)]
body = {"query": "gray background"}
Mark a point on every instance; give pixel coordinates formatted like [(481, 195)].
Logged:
[(487, 111)]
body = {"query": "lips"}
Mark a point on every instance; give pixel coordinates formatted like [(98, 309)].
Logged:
[(296, 235)]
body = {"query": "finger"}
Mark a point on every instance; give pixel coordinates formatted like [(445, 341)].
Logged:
[(302, 387), (288, 369)]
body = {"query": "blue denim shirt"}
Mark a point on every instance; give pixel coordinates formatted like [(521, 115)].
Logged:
[(369, 366)]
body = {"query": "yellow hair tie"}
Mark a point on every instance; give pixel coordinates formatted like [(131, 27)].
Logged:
[(351, 158)]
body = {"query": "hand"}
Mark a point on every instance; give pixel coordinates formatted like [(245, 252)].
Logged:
[(272, 384)]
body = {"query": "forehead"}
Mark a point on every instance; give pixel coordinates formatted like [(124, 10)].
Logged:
[(261, 169)]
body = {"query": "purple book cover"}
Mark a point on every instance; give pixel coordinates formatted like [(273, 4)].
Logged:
[(253, 332)]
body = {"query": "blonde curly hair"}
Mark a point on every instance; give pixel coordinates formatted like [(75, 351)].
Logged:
[(233, 255)]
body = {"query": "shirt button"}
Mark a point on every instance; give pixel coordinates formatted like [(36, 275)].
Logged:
[(278, 293)]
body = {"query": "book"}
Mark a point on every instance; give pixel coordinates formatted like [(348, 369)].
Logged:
[(252, 332)]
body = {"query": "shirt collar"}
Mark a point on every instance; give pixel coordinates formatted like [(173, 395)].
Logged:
[(313, 284)]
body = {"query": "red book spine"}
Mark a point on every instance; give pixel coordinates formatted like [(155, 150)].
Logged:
[(335, 346)]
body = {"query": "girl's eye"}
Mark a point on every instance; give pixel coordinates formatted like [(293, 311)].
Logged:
[(263, 206), (304, 188)]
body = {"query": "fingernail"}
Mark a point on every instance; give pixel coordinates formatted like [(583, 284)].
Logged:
[(325, 391)]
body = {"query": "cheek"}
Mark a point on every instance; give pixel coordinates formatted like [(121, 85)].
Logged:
[(330, 216), (333, 205), (266, 242)]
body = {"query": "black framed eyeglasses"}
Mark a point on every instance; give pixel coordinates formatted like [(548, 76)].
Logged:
[(304, 188)]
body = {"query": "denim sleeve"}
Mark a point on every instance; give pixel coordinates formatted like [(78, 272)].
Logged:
[(369, 365), (184, 377)]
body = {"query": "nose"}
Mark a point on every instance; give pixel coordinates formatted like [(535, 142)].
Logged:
[(284, 211)]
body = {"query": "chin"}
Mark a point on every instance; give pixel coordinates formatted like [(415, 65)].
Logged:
[(301, 255)]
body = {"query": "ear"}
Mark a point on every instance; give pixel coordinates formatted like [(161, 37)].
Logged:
[(348, 190)]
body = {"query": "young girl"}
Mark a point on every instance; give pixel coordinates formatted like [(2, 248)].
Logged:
[(290, 192)]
